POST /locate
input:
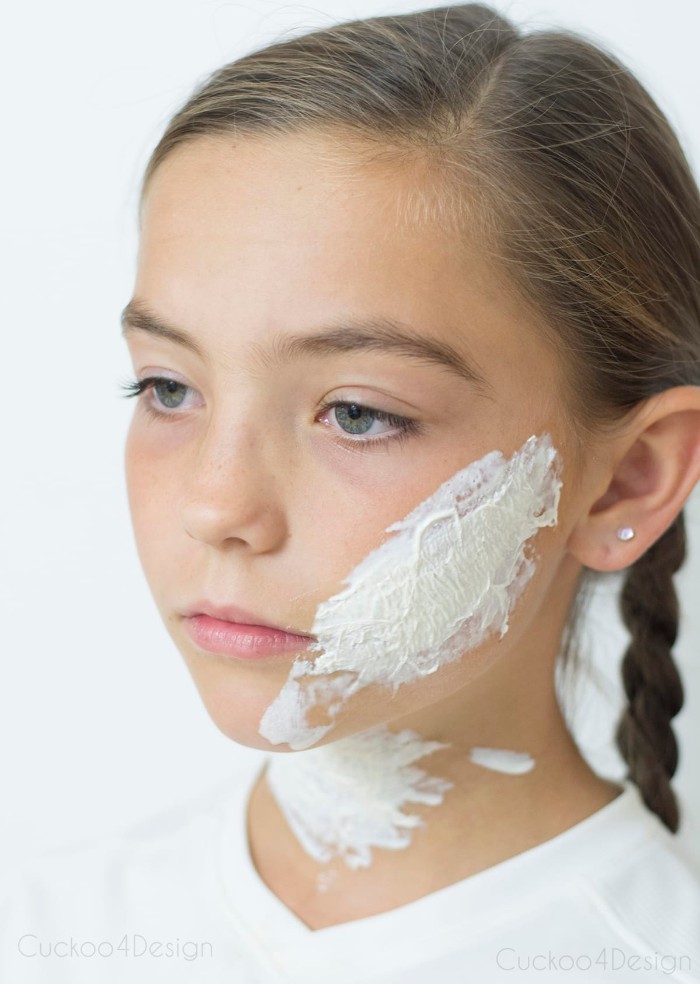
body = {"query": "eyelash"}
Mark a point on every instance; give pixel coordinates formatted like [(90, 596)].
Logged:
[(406, 427), (137, 387)]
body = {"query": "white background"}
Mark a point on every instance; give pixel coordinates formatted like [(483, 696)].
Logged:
[(100, 723)]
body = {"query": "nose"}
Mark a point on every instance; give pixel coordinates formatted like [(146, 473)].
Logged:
[(232, 493)]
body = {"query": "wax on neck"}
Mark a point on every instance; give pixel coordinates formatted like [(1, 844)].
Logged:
[(345, 798)]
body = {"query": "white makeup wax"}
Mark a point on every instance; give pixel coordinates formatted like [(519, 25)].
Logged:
[(502, 760), (346, 797), (447, 579)]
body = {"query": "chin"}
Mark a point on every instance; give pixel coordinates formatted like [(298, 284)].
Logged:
[(238, 732), (237, 706), (237, 715)]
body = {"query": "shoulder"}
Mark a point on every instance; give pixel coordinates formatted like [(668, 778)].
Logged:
[(153, 882), (612, 898), (650, 896), (173, 834), (177, 834)]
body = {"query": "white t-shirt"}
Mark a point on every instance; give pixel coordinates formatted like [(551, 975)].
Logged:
[(177, 899)]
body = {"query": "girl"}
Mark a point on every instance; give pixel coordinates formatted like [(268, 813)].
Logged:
[(416, 350)]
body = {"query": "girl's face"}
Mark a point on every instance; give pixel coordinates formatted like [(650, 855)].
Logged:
[(246, 489)]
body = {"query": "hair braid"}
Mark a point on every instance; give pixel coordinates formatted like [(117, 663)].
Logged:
[(650, 610)]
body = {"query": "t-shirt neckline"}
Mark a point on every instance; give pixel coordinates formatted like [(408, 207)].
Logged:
[(495, 892)]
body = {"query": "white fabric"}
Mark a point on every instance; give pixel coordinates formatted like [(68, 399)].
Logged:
[(612, 890)]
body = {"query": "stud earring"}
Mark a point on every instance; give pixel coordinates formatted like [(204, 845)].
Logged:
[(625, 533)]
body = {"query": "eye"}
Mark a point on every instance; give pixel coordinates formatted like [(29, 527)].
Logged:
[(358, 422), (353, 418), (169, 392)]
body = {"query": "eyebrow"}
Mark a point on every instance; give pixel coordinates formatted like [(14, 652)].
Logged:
[(381, 334)]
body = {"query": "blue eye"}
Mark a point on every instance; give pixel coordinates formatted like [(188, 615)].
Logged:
[(357, 419), (169, 392), (354, 418)]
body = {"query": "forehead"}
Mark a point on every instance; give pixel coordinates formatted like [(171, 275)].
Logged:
[(275, 232), (305, 197)]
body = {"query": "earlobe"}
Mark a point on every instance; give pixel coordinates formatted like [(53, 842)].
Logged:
[(653, 468)]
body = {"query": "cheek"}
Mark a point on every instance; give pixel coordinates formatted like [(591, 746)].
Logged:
[(149, 491), (482, 671), (437, 589), (333, 528)]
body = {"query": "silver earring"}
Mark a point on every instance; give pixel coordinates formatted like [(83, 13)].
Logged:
[(625, 533)]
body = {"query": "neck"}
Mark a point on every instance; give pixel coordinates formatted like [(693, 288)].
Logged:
[(348, 797), (464, 816), (377, 820)]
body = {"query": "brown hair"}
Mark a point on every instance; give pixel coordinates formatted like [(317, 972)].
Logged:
[(580, 188)]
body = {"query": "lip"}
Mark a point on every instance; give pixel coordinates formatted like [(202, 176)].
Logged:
[(230, 631)]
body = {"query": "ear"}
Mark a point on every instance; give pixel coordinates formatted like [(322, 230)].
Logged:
[(648, 471)]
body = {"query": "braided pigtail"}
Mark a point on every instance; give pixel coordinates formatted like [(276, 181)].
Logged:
[(650, 610)]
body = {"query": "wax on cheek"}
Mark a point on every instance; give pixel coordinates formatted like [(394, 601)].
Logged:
[(447, 579)]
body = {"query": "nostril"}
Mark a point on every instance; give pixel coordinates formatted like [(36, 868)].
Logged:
[(258, 523)]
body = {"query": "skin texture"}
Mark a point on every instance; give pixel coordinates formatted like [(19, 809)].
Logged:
[(249, 495)]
